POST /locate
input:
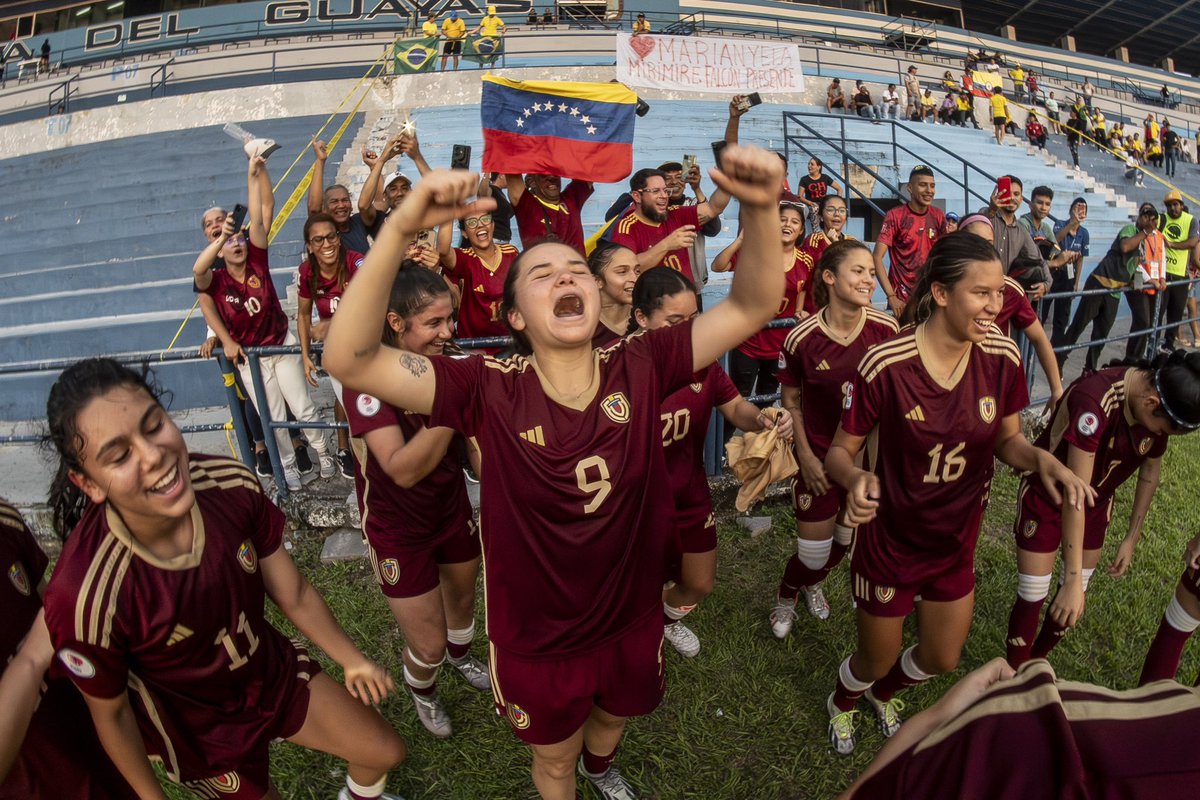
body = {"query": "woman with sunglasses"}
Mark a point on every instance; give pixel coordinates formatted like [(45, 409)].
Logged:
[(249, 307), (478, 269)]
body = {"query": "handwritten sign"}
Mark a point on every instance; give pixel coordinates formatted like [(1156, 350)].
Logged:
[(700, 64)]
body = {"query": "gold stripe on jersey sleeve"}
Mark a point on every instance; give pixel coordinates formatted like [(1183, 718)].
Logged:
[(11, 517), (235, 483), (93, 590), (168, 759), (887, 320), (883, 355), (1009, 283), (800, 331), (111, 610), (218, 468), (627, 222)]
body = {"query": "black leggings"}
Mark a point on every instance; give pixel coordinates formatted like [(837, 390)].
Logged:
[(1173, 306), (1098, 309), (753, 376)]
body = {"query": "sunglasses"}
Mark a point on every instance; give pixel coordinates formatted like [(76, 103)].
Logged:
[(475, 222)]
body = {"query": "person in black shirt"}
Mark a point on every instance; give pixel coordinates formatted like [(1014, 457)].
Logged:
[(1170, 146), (813, 186)]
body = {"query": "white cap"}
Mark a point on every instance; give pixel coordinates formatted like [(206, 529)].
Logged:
[(394, 177)]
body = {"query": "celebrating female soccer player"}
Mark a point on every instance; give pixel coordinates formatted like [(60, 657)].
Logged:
[(1107, 426), (324, 273), (820, 357), (573, 460), (156, 606), (250, 309), (664, 297), (832, 213), (616, 270), (754, 363), (416, 516), (479, 271), (944, 399)]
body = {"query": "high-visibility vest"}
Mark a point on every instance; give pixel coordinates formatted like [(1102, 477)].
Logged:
[(1176, 230)]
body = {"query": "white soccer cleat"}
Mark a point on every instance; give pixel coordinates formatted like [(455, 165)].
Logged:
[(841, 728), (887, 715), (476, 673), (782, 617), (611, 785), (814, 599), (682, 639), (260, 147), (432, 715)]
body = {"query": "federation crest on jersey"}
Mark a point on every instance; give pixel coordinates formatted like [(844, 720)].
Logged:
[(987, 409), (884, 594), (697, 387), (79, 665), (518, 716), (616, 407), (367, 405), (1144, 446), (1030, 528), (247, 557), (1088, 423), (253, 282), (16, 574), (389, 570), (804, 501)]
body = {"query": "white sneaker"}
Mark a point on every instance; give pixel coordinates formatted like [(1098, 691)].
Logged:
[(476, 673), (782, 617), (814, 598), (887, 715), (432, 715), (610, 785), (329, 465), (841, 728), (682, 639), (344, 794), (291, 476)]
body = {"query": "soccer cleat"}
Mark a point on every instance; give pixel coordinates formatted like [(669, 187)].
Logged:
[(346, 463), (814, 598), (476, 673), (262, 464), (303, 462), (292, 478), (344, 794), (682, 639), (841, 728), (432, 715), (782, 616), (610, 785), (328, 465), (887, 715), (470, 475)]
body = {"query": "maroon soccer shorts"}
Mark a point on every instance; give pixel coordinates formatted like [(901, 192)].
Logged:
[(881, 600), (1038, 527), (696, 531), (547, 701), (407, 570), (812, 507)]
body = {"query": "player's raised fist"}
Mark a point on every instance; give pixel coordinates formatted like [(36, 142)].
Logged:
[(442, 196), (750, 174)]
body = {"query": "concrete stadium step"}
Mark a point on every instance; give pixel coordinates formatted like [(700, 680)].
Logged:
[(118, 198), (79, 337)]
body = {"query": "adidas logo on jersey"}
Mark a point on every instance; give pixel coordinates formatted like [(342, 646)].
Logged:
[(534, 436), (915, 415), (824, 365), (180, 633)]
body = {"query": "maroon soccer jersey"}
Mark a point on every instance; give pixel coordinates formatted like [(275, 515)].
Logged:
[(1016, 308), (934, 453), (24, 564), (822, 365), (684, 419), (329, 293), (251, 310), (403, 516), (209, 679), (604, 336), (810, 251), (537, 219), (482, 287), (909, 236), (575, 522), (1094, 415), (768, 343), (639, 235)]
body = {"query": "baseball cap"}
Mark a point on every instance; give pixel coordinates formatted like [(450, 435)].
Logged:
[(670, 166), (1173, 196), (395, 176), (951, 216), (492, 10), (453, 15), (1147, 209), (920, 169)]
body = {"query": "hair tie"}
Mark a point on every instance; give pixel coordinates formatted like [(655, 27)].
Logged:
[(1162, 400)]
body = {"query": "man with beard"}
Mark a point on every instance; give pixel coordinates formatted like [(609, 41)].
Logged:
[(335, 201), (544, 210), (661, 234)]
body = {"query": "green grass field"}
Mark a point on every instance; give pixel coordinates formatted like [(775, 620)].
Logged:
[(746, 718)]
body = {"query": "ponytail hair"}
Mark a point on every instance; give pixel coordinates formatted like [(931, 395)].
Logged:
[(652, 287), (77, 386), (947, 264), (414, 288), (831, 260)]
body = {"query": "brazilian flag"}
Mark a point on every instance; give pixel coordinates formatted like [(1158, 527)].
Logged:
[(415, 55), (483, 49)]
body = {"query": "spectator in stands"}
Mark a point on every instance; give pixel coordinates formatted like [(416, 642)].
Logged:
[(1031, 87), (965, 109), (906, 237), (948, 81), (1035, 131), (550, 16), (1170, 146), (44, 61), (491, 25), (1014, 243), (1193, 303), (395, 189), (1180, 235), (1088, 92), (951, 222), (1099, 125), (835, 97), (641, 25), (429, 28), (533, 17), (912, 95), (1185, 151), (252, 315), (335, 201), (966, 83), (947, 110), (1136, 148), (1072, 237), (992, 66), (1165, 92), (1052, 113), (863, 105), (1154, 153), (1041, 230), (889, 103), (928, 107), (1133, 172), (813, 186), (1151, 129), (545, 210), (1114, 272), (1149, 281), (999, 106), (454, 31), (1018, 77), (1074, 132)]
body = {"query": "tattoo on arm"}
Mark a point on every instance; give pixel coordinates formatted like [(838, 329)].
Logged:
[(414, 364)]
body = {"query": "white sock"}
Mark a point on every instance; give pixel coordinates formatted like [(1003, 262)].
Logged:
[(908, 664), (677, 613), (1179, 619), (1087, 577), (814, 554), (1032, 588), (843, 534), (418, 683), (374, 790), (846, 676)]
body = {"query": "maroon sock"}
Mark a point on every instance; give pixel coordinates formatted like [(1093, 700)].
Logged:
[(1022, 628), (1051, 634), (595, 765), (897, 679), (793, 578), (457, 652), (1162, 662), (844, 697)]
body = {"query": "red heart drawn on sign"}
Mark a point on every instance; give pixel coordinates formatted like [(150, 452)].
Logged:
[(642, 45)]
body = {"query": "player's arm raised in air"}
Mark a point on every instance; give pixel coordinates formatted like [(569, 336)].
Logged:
[(752, 175), (353, 352), (258, 227)]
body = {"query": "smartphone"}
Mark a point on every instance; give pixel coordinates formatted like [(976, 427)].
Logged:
[(1004, 189), (749, 101), (689, 161), (717, 147), (239, 216), (460, 157)]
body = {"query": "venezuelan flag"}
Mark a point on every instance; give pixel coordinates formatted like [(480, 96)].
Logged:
[(582, 131)]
